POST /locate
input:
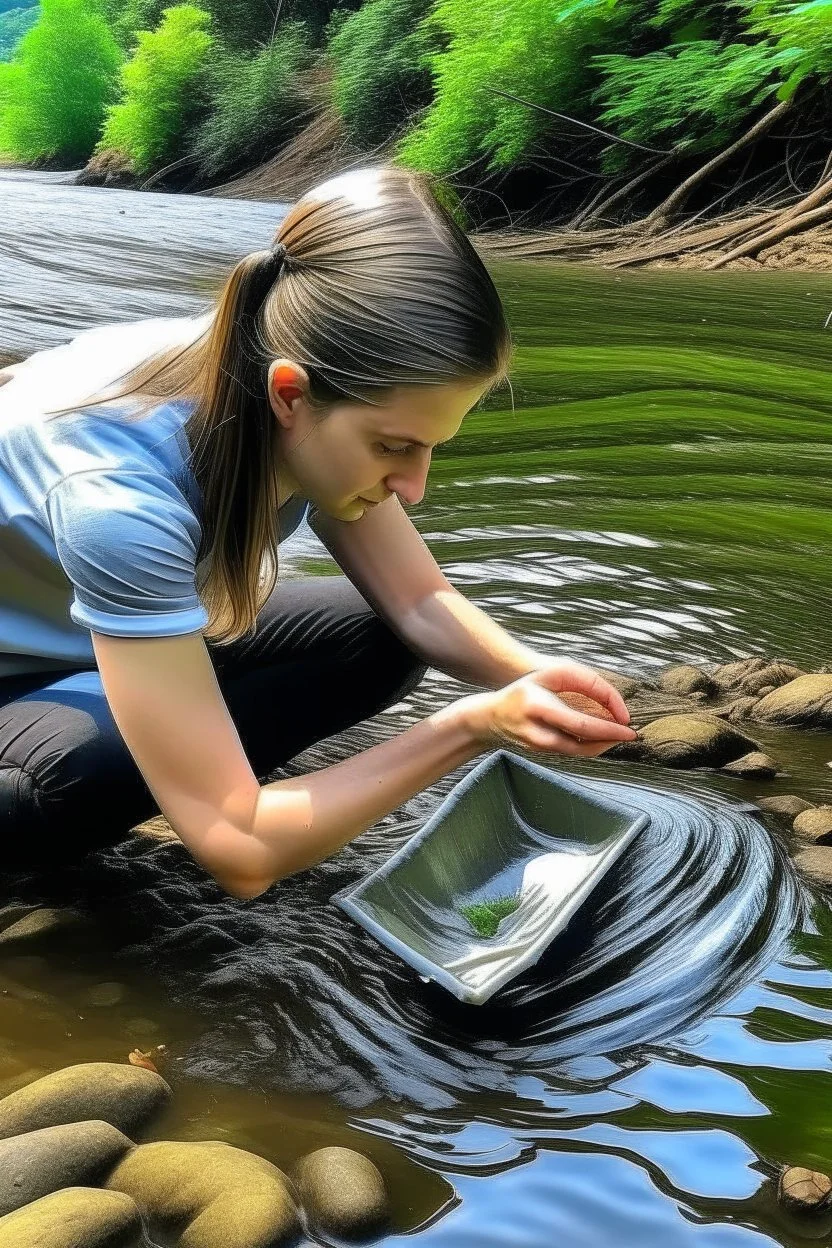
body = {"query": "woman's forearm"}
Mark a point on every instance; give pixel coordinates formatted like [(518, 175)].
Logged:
[(301, 820), (455, 636)]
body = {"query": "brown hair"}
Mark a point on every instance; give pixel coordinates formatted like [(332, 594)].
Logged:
[(379, 287)]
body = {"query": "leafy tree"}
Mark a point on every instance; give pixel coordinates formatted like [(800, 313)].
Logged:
[(802, 34), (695, 95), (57, 87), (382, 73), (164, 89), (538, 50), (253, 102)]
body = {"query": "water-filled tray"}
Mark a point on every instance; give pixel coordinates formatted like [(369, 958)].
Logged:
[(509, 829)]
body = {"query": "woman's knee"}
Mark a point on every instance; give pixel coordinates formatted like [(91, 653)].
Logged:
[(67, 782), (396, 669)]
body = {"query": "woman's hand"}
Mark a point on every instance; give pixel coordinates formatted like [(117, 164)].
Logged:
[(529, 714)]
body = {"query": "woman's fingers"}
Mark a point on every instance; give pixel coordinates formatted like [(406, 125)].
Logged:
[(552, 711), (566, 676)]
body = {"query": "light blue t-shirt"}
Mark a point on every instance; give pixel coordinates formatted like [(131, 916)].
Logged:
[(99, 517)]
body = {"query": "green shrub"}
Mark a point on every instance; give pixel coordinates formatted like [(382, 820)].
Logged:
[(253, 103), (164, 89), (802, 35), (381, 71), (57, 87), (539, 50)]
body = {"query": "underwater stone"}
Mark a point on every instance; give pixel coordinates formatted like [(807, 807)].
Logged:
[(342, 1192), (738, 710), (804, 1191), (627, 686), (815, 825), (802, 703), (730, 675), (223, 1196), (754, 766), (785, 804), (45, 922), (73, 1155), (76, 1217), (124, 1096), (770, 677)]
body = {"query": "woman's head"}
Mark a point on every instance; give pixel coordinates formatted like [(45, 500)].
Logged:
[(374, 328)]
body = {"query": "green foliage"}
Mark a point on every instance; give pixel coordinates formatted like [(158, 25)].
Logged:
[(802, 34), (694, 95), (539, 50), (13, 26), (164, 89), (253, 102), (55, 91), (485, 916), (382, 73)]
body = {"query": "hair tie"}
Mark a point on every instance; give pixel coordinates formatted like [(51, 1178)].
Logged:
[(279, 252)]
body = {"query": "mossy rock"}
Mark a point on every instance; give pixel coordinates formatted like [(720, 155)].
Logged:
[(209, 1194), (787, 805), (45, 925), (77, 1217), (343, 1193), (815, 825), (802, 703), (696, 740), (753, 766), (77, 1154), (684, 680), (730, 676), (816, 865), (125, 1096), (772, 676)]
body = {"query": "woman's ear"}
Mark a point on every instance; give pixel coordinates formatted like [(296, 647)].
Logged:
[(287, 382)]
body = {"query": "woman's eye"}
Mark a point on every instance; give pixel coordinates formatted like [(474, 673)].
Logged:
[(393, 450)]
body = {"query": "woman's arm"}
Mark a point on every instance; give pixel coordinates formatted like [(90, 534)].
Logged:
[(169, 709)]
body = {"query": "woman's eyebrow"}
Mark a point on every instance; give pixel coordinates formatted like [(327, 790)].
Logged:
[(399, 437)]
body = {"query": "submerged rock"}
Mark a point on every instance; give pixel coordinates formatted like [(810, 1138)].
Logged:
[(342, 1192), (686, 741), (785, 804), (772, 676), (43, 923), (816, 865), (40, 1162), (124, 1096), (209, 1194), (803, 703), (738, 710), (77, 1217), (753, 766), (627, 686), (730, 675), (685, 680), (804, 1191), (815, 825)]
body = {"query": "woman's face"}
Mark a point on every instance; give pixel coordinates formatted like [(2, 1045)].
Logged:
[(359, 455)]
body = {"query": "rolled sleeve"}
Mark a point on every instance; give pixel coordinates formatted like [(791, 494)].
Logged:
[(128, 541)]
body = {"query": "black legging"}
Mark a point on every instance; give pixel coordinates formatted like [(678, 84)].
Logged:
[(319, 661)]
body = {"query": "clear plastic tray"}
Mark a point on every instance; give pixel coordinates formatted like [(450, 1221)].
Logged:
[(509, 828)]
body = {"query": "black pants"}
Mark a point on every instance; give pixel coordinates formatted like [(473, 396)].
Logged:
[(319, 661)]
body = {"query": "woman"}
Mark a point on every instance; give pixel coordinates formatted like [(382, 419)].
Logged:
[(148, 658)]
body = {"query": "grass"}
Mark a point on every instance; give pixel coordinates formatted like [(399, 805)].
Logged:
[(485, 916)]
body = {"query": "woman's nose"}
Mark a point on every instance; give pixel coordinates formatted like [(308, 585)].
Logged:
[(410, 484)]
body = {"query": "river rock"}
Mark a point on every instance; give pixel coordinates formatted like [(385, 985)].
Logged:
[(209, 1194), (816, 864), (342, 1192), (40, 1162), (44, 923), (124, 1096), (686, 741), (785, 804), (627, 686), (685, 679), (804, 1191), (815, 825), (772, 676), (738, 710), (753, 766), (77, 1217), (730, 675), (803, 703), (109, 167)]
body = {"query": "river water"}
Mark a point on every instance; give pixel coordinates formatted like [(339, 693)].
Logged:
[(657, 491)]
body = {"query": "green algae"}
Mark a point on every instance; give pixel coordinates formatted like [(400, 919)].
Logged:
[(485, 916)]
